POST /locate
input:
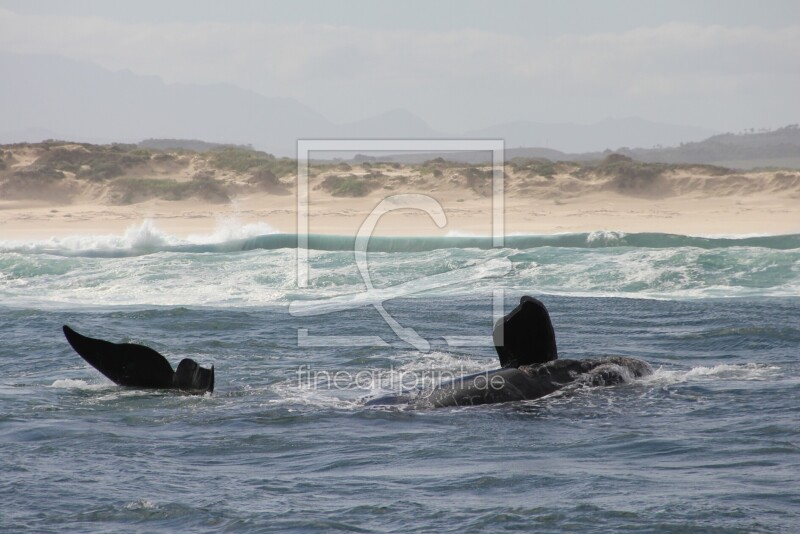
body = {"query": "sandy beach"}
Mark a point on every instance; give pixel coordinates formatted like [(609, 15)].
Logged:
[(757, 214)]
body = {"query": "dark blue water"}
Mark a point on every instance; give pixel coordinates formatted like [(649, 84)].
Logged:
[(710, 443)]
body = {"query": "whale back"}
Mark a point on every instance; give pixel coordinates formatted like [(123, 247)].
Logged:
[(526, 335), (490, 387), (501, 385)]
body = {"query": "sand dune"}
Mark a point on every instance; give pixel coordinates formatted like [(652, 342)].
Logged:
[(48, 190)]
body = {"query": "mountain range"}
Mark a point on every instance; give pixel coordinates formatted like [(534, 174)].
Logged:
[(49, 96)]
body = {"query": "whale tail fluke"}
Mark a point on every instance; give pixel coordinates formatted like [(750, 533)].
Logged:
[(124, 364), (191, 377), (131, 365), (525, 336)]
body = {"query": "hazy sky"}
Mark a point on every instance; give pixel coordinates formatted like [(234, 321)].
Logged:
[(726, 65)]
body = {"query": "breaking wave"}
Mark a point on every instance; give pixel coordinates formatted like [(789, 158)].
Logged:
[(251, 265)]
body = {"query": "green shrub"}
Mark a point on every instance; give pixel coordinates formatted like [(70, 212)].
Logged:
[(239, 160), (479, 180), (38, 173), (243, 160), (123, 147), (711, 170), (133, 190), (101, 170), (630, 176), (536, 166), (473, 173), (264, 177), (94, 162), (63, 159), (349, 186), (35, 182), (436, 165)]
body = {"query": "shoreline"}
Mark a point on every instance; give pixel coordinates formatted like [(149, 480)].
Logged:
[(710, 218), (764, 215)]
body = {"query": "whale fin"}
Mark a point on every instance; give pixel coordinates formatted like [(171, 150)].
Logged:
[(526, 335), (191, 377), (125, 364)]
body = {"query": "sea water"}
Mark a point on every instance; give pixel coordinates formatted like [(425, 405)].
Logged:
[(709, 443)]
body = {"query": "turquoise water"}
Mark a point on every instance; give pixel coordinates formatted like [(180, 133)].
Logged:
[(709, 443)]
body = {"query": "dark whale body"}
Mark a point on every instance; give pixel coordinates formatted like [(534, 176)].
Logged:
[(128, 364), (526, 344), (523, 383)]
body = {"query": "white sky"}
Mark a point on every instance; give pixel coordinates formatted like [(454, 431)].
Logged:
[(726, 65)]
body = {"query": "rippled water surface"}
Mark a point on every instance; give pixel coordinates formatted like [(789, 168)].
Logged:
[(709, 443)]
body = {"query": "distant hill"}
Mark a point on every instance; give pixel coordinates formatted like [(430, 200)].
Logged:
[(776, 148), (606, 134), (192, 145), (53, 97), (82, 101)]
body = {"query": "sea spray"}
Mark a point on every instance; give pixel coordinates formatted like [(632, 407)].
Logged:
[(243, 265)]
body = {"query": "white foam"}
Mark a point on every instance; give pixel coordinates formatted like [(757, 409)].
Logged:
[(605, 237), (746, 372), (231, 229), (69, 383), (463, 233), (295, 392), (145, 236), (141, 504), (339, 389)]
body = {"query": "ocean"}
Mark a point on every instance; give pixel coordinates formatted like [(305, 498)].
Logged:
[(709, 443)]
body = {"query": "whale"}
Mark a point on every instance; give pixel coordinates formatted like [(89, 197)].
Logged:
[(525, 343), (138, 366)]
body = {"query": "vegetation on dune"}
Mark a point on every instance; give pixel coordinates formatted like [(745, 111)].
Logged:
[(479, 180), (436, 166), (631, 177), (626, 175), (350, 185), (92, 162), (34, 182), (264, 178), (119, 164), (133, 190), (246, 160), (38, 174), (538, 166), (133, 174)]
